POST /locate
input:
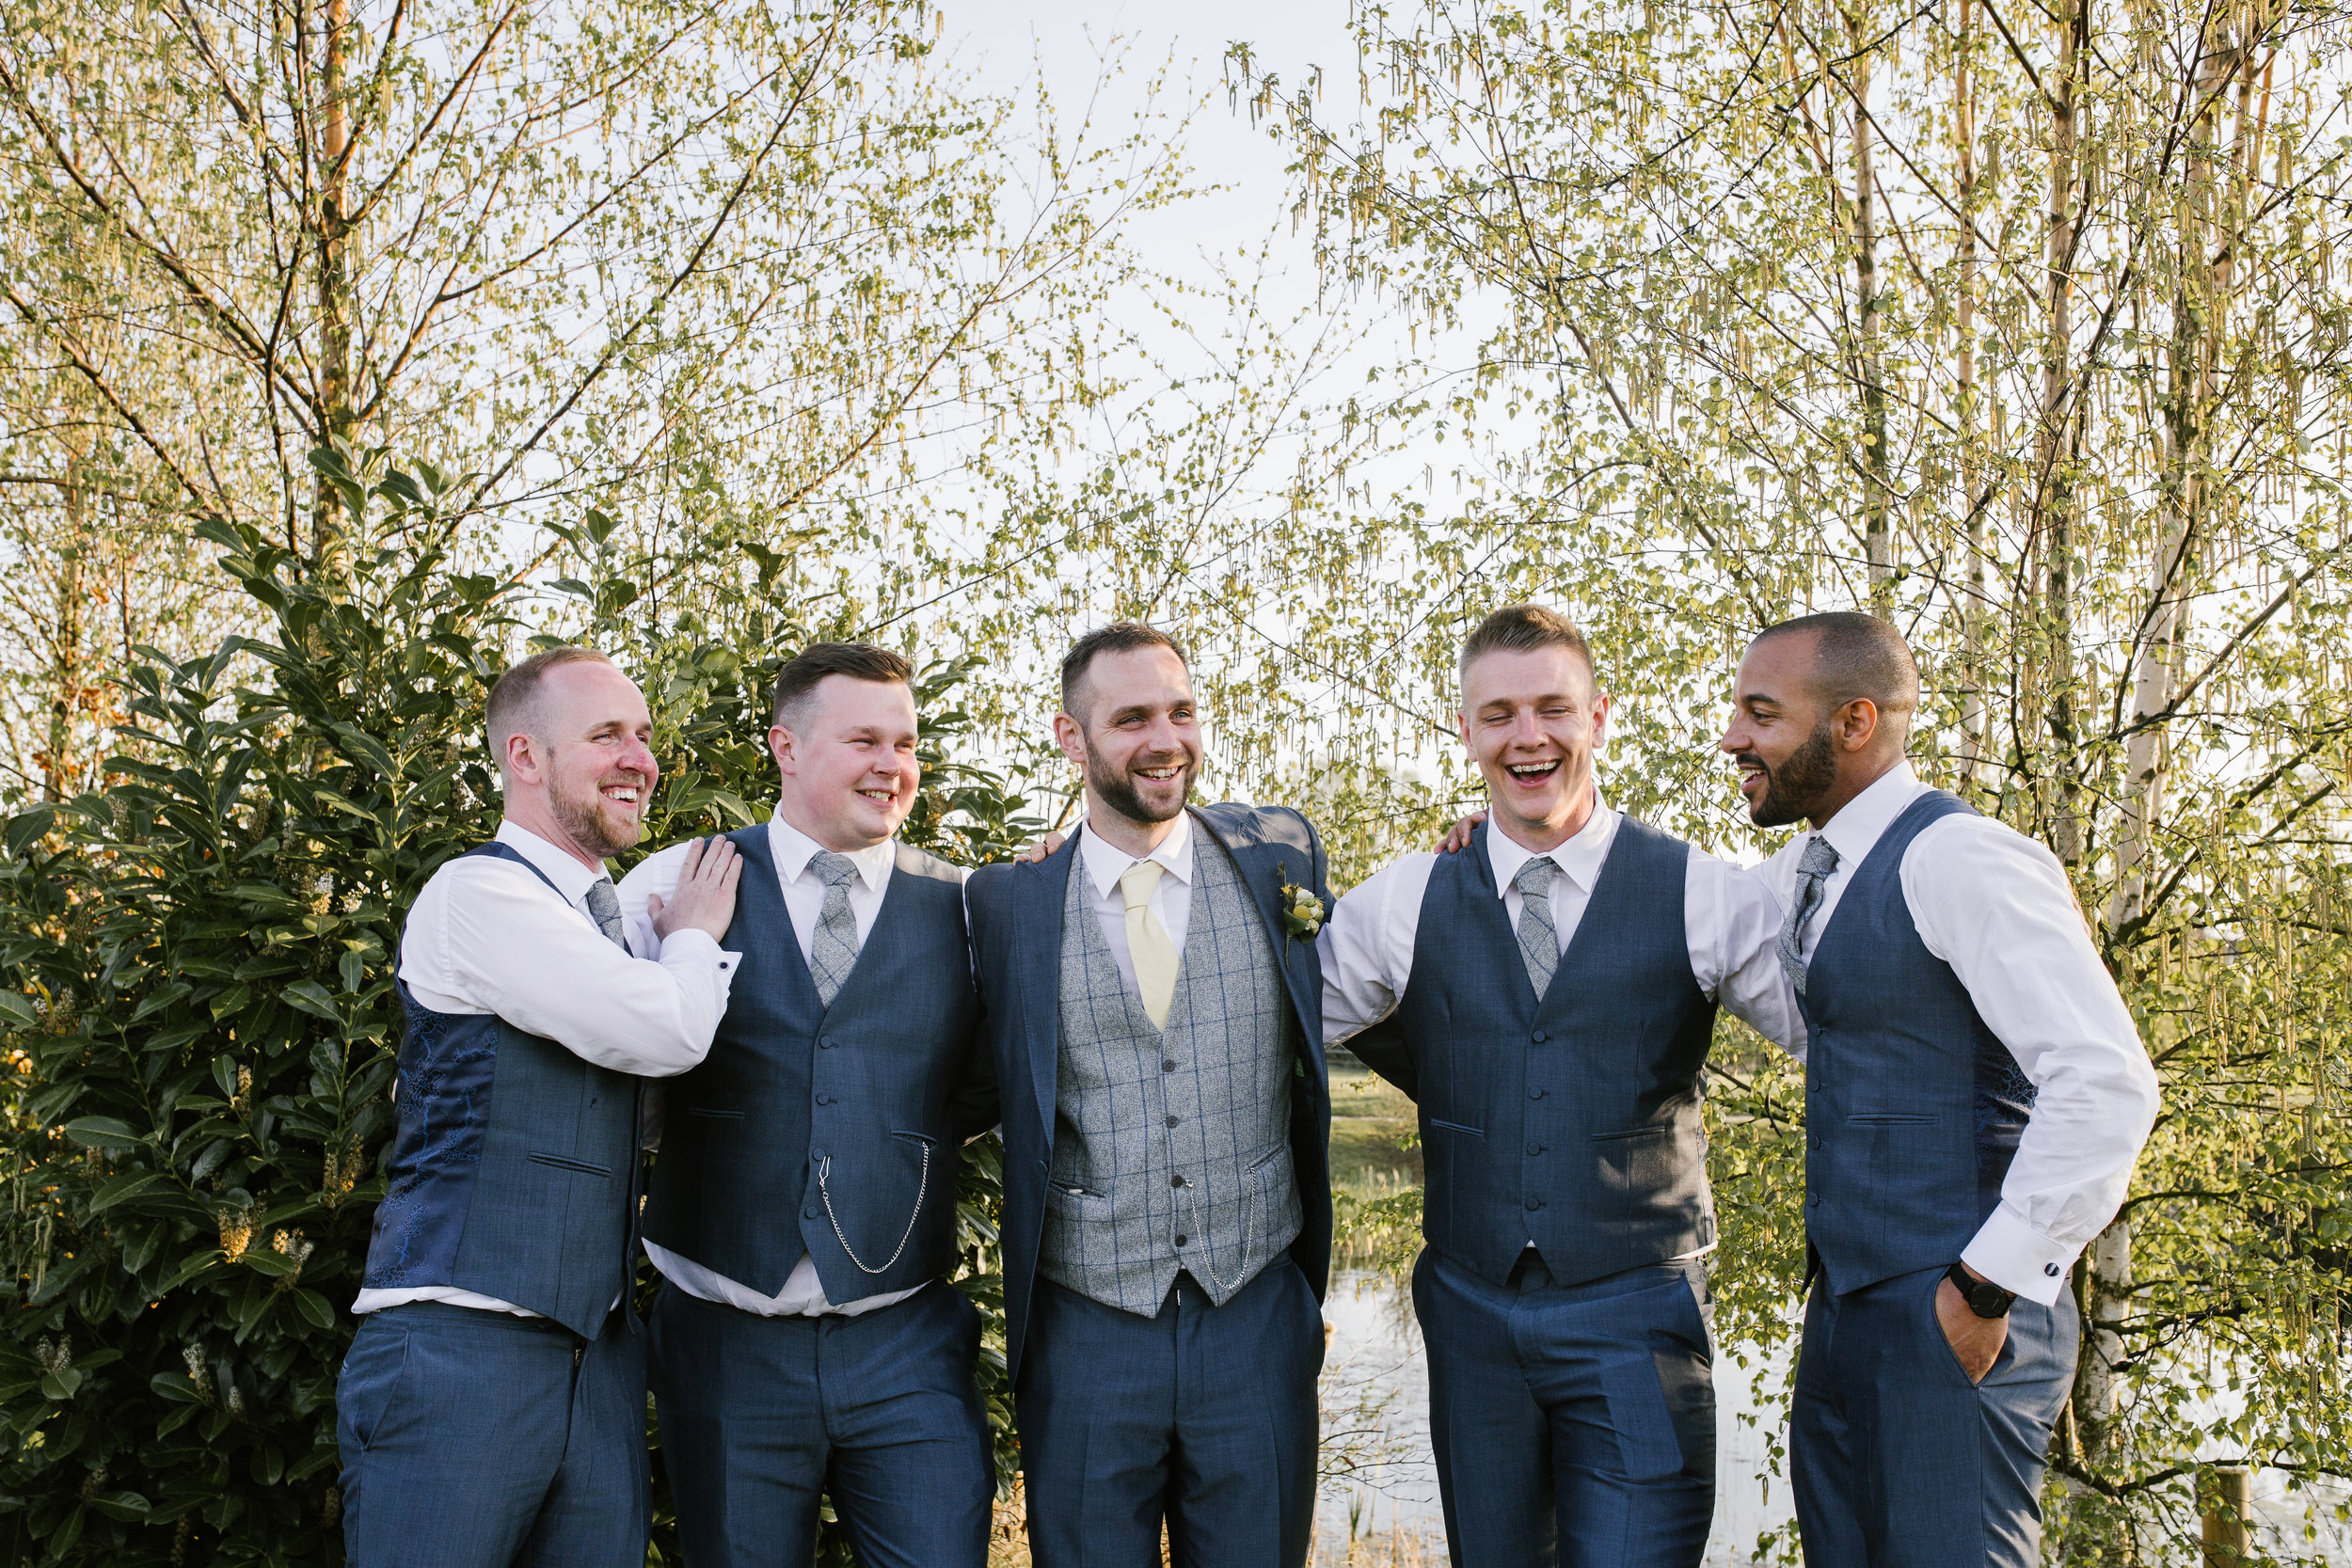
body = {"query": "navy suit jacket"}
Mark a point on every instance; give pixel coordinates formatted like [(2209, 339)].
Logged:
[(1016, 920)]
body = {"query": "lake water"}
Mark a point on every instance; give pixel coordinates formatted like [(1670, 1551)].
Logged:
[(1377, 1411), (1376, 1435)]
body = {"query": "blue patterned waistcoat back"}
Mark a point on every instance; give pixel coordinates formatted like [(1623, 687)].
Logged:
[(1913, 1107), (828, 1130), (514, 1167), (1573, 1120)]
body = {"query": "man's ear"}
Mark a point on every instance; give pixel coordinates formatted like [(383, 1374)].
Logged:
[(522, 762), (1071, 737), (1857, 725), (780, 747)]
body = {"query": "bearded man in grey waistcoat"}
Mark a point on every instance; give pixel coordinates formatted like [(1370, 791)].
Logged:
[(1152, 1000)]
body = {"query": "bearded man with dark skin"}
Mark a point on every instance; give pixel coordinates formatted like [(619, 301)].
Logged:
[(1975, 1095), (492, 1408), (1151, 1007)]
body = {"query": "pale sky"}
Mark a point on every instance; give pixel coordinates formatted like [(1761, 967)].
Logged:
[(1066, 39)]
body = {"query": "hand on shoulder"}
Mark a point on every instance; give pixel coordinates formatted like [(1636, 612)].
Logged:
[(704, 900)]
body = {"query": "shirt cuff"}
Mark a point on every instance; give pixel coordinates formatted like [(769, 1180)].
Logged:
[(2019, 1259), (696, 945)]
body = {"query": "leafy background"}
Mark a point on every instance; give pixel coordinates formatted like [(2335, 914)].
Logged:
[(200, 1101), (2027, 326)]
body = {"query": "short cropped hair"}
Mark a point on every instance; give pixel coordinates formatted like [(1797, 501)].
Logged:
[(798, 680), (1119, 637), (1856, 656), (1523, 628), (514, 700)]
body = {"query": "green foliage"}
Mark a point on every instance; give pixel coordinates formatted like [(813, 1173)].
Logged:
[(201, 1024), (2024, 330)]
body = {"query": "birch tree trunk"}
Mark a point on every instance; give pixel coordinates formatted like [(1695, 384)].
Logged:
[(2061, 422), (1877, 532)]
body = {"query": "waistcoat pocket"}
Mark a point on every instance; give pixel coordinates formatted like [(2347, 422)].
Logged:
[(564, 1162), (1458, 1126)]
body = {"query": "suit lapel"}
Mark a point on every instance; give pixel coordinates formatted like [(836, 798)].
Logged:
[(1302, 975), (1038, 955)]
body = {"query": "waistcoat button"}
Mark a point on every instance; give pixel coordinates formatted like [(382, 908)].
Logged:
[(1180, 1240), (1813, 1200), (810, 1212), (1534, 1203), (1534, 1148), (1167, 1067), (1174, 1120), (824, 1099), (824, 1045), (1535, 1094), (1539, 1036)]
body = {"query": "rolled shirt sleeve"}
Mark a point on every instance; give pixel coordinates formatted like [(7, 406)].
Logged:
[(1996, 907)]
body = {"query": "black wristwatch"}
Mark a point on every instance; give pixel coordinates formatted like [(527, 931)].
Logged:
[(1984, 1298)]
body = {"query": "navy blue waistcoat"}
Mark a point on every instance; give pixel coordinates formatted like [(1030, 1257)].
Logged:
[(860, 1095), (513, 1168), (1913, 1106), (1572, 1121)]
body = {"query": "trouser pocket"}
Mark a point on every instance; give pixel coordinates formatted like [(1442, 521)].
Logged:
[(369, 1385)]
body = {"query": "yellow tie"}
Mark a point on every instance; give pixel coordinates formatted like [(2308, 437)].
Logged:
[(1147, 947)]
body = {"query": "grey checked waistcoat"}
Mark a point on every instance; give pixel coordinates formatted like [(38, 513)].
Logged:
[(1171, 1151)]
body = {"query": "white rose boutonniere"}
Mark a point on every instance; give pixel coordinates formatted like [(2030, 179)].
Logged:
[(1302, 911)]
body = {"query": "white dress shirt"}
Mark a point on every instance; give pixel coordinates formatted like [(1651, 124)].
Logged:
[(803, 1295), (1729, 920), (1728, 923), (1104, 863), (486, 936), (1996, 907)]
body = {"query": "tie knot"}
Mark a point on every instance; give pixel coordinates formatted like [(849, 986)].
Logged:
[(833, 869), (1136, 883), (1818, 859), (603, 902), (1535, 878)]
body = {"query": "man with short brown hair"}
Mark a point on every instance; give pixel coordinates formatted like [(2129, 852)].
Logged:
[(804, 1206), (492, 1408), (1548, 996), (1150, 1004)]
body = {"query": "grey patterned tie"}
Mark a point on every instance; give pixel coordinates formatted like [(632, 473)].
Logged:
[(833, 952), (1813, 869), (604, 908), (1539, 939)]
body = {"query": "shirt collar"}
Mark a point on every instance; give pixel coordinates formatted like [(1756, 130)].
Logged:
[(1106, 863), (794, 849), (1578, 858), (571, 878), (1860, 822)]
